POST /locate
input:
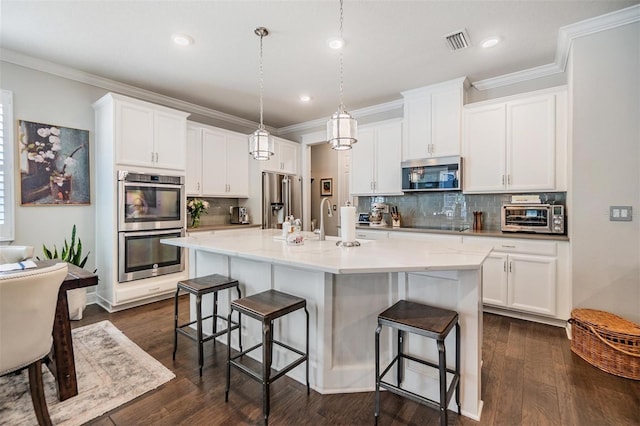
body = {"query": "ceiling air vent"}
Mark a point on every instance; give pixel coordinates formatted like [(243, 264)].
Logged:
[(458, 40)]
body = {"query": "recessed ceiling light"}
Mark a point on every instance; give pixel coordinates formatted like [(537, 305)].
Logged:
[(305, 98), (335, 43), (182, 39), (490, 42)]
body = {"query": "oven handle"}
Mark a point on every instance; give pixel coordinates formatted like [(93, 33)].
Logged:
[(153, 232), (151, 185)]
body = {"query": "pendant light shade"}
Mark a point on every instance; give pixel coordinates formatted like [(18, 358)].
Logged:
[(342, 128), (260, 141)]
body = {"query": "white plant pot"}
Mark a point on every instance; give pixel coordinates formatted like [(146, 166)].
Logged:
[(77, 299)]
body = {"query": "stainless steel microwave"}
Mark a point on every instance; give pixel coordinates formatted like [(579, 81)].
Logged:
[(432, 174), (536, 218)]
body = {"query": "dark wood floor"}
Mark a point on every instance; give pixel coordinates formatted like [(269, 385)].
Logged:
[(529, 377)]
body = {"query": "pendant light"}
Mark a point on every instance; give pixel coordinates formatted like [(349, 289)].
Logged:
[(341, 128), (260, 141)]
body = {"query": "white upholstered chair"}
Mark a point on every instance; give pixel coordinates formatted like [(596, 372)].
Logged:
[(27, 310)]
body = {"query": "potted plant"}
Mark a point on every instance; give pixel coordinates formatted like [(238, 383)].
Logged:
[(71, 253)]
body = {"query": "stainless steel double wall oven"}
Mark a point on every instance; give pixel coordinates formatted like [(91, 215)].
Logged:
[(150, 208)]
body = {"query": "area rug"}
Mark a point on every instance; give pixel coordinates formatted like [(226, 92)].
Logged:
[(110, 369)]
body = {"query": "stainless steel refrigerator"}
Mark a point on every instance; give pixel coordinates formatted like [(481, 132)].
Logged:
[(281, 197)]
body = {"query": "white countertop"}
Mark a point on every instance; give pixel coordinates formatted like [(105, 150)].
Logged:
[(392, 255)]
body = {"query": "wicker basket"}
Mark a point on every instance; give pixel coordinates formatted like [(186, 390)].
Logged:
[(606, 341)]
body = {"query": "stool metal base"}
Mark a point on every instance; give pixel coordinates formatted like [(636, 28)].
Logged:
[(266, 307), (199, 287), (394, 319)]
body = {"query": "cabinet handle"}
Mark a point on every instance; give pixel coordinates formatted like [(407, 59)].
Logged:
[(152, 158), (153, 289), (506, 246), (505, 266), (198, 186), (502, 179), (508, 179), (510, 269)]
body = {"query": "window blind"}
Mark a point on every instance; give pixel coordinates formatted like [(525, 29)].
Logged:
[(6, 167)]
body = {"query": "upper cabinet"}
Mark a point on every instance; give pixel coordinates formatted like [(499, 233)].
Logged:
[(516, 144), (144, 134), (218, 162), (285, 158), (375, 159), (433, 120)]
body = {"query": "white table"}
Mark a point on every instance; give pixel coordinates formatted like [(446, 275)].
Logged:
[(346, 289)]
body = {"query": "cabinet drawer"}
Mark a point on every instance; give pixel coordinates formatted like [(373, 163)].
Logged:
[(372, 235), (544, 248), (135, 291)]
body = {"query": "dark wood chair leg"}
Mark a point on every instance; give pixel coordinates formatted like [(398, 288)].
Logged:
[(37, 393), (175, 324)]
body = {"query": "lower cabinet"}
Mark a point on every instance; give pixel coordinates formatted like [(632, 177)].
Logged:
[(520, 281), (521, 275)]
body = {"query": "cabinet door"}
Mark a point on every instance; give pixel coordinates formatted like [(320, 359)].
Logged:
[(134, 134), (170, 140), (193, 184), (362, 163), (237, 166), (214, 163), (388, 172), (484, 149), (494, 279), (417, 134), (446, 122), (274, 163), (531, 144), (532, 283), (289, 157)]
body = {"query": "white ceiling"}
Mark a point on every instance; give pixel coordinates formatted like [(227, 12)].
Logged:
[(391, 46)]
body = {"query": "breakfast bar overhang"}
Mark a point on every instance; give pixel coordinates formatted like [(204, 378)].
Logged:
[(346, 289)]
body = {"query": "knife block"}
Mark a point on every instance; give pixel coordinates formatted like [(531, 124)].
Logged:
[(395, 220)]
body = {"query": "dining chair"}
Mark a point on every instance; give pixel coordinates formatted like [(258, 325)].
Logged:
[(27, 309)]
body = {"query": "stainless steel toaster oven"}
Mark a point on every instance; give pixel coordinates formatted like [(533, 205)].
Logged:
[(536, 218)]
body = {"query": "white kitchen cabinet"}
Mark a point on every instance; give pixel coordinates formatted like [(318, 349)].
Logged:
[(148, 135), (521, 275), (433, 120), (284, 159), (375, 160), (218, 163), (517, 144)]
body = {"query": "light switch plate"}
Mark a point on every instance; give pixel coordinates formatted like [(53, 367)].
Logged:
[(620, 213)]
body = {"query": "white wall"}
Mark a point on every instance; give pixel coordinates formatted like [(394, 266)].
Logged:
[(605, 87), (45, 98)]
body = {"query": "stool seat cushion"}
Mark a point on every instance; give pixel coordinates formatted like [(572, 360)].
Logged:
[(207, 284), (421, 317), (268, 304)]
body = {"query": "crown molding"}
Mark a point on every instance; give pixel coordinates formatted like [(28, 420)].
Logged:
[(566, 35), (121, 88), (358, 113)]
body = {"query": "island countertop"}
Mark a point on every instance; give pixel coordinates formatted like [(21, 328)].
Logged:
[(373, 256)]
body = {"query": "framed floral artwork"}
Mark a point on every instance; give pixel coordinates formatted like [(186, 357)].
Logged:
[(326, 186), (54, 164)]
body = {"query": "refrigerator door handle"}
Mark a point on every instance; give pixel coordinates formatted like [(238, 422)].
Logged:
[(286, 196)]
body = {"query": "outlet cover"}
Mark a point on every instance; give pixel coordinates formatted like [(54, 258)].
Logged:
[(620, 213)]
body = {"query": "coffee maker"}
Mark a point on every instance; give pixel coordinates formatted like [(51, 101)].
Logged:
[(239, 215)]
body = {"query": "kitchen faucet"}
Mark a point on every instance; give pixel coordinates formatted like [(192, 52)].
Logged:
[(321, 238)]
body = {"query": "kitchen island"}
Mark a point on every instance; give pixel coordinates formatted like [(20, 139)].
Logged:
[(346, 289)]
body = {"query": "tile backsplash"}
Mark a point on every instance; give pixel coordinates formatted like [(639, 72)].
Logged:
[(450, 209)]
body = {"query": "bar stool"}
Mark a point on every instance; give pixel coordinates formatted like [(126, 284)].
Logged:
[(199, 287), (427, 321), (266, 307)]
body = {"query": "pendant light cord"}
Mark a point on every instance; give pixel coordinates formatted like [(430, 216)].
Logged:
[(261, 81), (341, 66)]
